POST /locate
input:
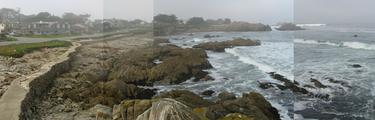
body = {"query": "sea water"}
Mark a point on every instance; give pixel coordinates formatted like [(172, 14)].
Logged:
[(321, 52)]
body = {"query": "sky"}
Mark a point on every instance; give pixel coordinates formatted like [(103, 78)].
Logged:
[(264, 11), (124, 9), (334, 11)]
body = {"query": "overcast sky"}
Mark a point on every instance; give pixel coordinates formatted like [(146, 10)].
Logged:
[(334, 11), (125, 9), (265, 11)]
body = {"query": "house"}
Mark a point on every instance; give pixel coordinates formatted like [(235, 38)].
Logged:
[(2, 27), (42, 27)]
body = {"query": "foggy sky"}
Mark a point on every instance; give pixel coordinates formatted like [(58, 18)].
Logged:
[(334, 11), (265, 11), (124, 9)]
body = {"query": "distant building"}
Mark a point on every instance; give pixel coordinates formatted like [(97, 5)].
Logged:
[(48, 28), (2, 27)]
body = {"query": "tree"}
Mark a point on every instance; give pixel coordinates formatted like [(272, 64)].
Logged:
[(162, 18), (196, 22), (75, 19), (227, 21)]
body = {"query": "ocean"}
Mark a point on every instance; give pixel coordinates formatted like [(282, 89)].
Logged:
[(328, 53)]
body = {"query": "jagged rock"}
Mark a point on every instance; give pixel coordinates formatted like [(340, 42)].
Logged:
[(210, 36), (220, 46), (265, 85), (157, 41), (101, 112), (188, 98), (356, 66), (236, 116), (252, 104), (178, 65), (288, 84), (208, 92), (289, 27), (130, 109), (168, 109), (226, 96), (317, 83)]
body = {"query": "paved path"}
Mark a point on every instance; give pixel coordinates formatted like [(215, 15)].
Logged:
[(10, 102), (35, 40)]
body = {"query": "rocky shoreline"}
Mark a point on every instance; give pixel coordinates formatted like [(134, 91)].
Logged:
[(114, 79)]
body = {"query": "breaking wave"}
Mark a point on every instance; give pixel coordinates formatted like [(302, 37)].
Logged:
[(353, 45)]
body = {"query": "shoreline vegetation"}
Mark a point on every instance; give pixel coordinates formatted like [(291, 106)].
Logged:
[(111, 85), (4, 37), (165, 25), (18, 50)]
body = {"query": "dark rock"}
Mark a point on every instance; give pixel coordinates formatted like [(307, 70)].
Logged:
[(356, 66), (252, 104), (265, 85), (288, 84), (355, 35), (208, 92), (226, 96), (317, 83), (289, 27), (220, 46), (160, 40)]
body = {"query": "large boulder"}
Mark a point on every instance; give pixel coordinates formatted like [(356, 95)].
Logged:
[(252, 104), (220, 46), (236, 116), (101, 112), (168, 109)]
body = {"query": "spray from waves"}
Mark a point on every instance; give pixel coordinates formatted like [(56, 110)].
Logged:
[(310, 25), (353, 45), (263, 67)]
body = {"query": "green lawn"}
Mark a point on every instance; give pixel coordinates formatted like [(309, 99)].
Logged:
[(7, 38), (18, 50), (51, 36)]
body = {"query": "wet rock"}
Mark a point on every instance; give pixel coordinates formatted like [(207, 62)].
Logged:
[(252, 104), (265, 85), (356, 66), (208, 93), (210, 36), (288, 84), (317, 83), (130, 109), (220, 46), (188, 98), (157, 41), (355, 35), (168, 109), (226, 96)]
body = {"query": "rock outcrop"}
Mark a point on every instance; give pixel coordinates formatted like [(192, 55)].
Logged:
[(289, 27), (252, 104), (220, 46), (176, 65), (130, 109)]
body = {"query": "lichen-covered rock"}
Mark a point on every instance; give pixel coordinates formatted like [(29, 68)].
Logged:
[(101, 112), (220, 46), (252, 104), (236, 116), (188, 98), (226, 96), (130, 109), (168, 109)]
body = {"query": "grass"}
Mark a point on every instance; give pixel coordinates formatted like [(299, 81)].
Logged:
[(51, 36), (18, 50), (7, 38)]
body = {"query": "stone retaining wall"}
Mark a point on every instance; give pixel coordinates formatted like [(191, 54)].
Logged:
[(17, 102)]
